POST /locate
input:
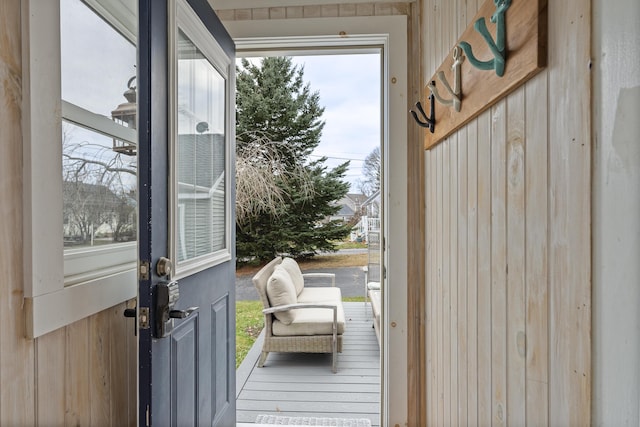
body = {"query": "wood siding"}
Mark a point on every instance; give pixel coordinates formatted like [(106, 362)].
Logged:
[(315, 11), (508, 305), (83, 374)]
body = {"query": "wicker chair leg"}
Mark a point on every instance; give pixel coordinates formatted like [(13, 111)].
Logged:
[(263, 358)]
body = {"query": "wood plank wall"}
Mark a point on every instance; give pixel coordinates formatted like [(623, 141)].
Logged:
[(83, 374), (508, 306), (315, 11)]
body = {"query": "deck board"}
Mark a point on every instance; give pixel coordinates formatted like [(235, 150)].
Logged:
[(302, 385)]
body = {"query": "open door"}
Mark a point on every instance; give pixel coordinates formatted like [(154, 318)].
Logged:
[(186, 69)]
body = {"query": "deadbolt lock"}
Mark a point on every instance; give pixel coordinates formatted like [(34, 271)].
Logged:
[(164, 267)]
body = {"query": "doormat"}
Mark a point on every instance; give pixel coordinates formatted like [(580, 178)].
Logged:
[(312, 421)]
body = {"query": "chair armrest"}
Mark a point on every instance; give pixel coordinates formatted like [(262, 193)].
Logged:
[(288, 307), (331, 276)]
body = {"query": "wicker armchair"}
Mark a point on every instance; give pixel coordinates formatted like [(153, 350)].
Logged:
[(312, 319)]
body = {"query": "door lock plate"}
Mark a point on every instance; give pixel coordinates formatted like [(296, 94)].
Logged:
[(143, 318), (144, 268)]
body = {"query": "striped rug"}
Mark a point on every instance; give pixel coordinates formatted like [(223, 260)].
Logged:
[(312, 421)]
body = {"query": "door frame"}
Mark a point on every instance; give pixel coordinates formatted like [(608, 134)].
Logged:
[(389, 33)]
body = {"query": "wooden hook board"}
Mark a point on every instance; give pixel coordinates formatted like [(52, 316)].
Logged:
[(526, 35)]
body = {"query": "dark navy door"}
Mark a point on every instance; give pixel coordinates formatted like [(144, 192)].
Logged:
[(186, 302)]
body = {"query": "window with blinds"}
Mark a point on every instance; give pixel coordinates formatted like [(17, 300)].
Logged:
[(200, 155)]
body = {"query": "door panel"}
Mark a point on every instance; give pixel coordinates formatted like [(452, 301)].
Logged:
[(186, 134), (222, 377), (184, 363)]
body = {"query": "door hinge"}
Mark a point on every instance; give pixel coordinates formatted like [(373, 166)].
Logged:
[(144, 269), (143, 318), (148, 421)]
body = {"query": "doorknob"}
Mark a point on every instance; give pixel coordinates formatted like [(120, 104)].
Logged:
[(182, 314), (167, 294)]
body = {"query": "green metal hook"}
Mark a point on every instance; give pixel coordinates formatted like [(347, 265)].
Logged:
[(499, 47)]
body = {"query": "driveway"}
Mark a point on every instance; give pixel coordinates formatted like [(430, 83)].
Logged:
[(349, 279)]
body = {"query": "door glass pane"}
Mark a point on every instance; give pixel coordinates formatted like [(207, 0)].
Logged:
[(99, 190), (200, 152), (97, 61)]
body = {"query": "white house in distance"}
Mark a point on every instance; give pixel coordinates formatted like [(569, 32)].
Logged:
[(350, 207)]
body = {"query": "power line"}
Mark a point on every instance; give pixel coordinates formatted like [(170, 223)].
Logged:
[(337, 158)]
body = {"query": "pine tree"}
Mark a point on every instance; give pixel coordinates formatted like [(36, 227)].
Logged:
[(274, 104)]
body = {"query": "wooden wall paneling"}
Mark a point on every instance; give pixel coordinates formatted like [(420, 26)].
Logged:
[(484, 269), (453, 267), (416, 352), (472, 259), (434, 285), (429, 64), (77, 373), (498, 265), (120, 347), (570, 233), (17, 356), (459, 143), (51, 378), (432, 288), (446, 284), (430, 318), (132, 367), (447, 37), (472, 273), (536, 274), (515, 259), (438, 283), (463, 215), (99, 360)]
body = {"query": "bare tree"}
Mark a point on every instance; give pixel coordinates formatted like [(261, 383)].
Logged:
[(371, 171), (98, 189), (261, 172)]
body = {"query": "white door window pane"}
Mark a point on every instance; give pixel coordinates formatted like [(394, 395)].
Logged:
[(200, 151), (97, 60), (99, 190)]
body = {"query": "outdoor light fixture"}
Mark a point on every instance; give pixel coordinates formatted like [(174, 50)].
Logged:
[(125, 115)]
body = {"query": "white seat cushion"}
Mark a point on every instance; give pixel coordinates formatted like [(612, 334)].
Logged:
[(310, 321), (320, 295), (373, 285), (281, 291)]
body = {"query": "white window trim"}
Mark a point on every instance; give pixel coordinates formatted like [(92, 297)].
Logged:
[(49, 304), (184, 18), (271, 35)]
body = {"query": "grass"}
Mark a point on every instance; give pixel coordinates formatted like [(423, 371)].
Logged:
[(249, 319), (249, 323)]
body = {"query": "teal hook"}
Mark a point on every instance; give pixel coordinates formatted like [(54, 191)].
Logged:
[(499, 47)]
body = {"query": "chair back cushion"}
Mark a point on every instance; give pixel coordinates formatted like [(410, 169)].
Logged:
[(293, 269), (262, 277), (281, 291)]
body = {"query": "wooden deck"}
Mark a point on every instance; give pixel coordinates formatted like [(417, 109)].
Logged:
[(302, 385)]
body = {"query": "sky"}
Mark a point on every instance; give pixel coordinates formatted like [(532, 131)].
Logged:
[(349, 88), (348, 85)]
